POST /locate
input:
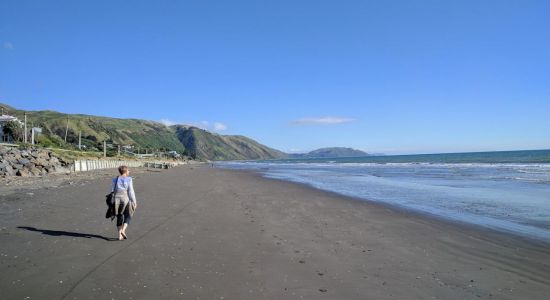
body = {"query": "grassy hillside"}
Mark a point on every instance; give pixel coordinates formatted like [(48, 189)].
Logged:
[(203, 144), (192, 141), (142, 133)]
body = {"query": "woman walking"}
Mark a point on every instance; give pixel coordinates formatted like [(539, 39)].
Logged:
[(124, 200)]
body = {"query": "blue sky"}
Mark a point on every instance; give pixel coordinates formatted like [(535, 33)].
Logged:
[(383, 76)]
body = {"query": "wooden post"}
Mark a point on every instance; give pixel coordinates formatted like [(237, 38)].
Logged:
[(25, 130), (80, 140), (67, 129), (104, 148)]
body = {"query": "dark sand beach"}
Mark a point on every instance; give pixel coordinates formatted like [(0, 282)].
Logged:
[(203, 233)]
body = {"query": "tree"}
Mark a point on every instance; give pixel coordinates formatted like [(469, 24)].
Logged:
[(14, 129)]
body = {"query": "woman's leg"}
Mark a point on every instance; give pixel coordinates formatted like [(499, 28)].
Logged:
[(120, 220), (127, 219)]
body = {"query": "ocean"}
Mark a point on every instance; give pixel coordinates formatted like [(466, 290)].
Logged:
[(507, 191)]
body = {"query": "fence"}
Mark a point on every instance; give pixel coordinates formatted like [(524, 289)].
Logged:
[(89, 165)]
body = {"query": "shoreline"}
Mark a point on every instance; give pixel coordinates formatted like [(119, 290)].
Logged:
[(211, 233), (427, 215), (525, 231), (414, 213)]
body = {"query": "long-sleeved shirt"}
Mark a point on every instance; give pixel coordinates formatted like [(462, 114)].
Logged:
[(124, 185)]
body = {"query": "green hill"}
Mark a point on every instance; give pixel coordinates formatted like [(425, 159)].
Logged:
[(202, 143), (191, 141)]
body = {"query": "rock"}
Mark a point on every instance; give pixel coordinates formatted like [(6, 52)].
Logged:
[(29, 165), (12, 161), (9, 171), (17, 166), (41, 162), (22, 173), (23, 161), (35, 171)]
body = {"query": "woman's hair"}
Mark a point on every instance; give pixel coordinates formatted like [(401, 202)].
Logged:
[(122, 169)]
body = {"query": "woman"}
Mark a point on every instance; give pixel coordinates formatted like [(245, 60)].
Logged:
[(125, 200)]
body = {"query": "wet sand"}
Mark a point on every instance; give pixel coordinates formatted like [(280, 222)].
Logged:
[(202, 233)]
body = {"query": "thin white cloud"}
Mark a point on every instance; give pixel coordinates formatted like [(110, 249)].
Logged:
[(167, 122), (322, 121), (220, 126), (206, 125), (8, 45)]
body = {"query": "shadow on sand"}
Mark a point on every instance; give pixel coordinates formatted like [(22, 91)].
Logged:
[(67, 233)]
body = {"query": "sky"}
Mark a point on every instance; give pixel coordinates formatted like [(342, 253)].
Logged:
[(390, 77)]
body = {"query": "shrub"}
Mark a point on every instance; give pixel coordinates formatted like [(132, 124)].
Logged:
[(15, 130)]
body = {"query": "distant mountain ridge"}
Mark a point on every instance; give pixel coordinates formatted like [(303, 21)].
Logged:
[(191, 141), (202, 143), (331, 152)]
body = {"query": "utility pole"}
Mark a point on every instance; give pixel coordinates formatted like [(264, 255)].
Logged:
[(32, 135), (80, 140), (118, 149), (104, 148), (67, 129), (25, 129)]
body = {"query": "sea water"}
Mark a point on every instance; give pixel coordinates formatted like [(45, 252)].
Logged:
[(507, 191)]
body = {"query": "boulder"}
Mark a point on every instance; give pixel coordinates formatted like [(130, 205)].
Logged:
[(41, 162), (29, 165), (22, 173), (35, 171), (9, 171), (23, 161)]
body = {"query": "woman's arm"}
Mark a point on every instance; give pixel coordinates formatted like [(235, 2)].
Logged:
[(131, 193)]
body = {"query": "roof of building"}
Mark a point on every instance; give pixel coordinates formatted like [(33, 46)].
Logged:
[(7, 118)]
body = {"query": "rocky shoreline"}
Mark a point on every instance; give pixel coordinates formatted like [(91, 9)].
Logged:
[(26, 162)]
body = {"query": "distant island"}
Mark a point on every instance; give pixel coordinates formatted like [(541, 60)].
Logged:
[(331, 152)]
